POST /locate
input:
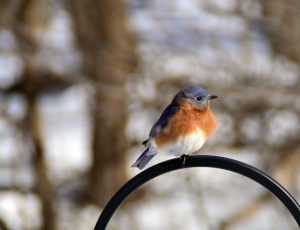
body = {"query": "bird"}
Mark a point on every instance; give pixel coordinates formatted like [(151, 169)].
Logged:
[(182, 128)]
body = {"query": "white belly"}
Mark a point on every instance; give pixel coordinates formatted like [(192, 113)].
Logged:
[(184, 145)]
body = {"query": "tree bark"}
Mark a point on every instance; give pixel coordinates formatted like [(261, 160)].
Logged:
[(43, 187), (108, 58), (282, 24)]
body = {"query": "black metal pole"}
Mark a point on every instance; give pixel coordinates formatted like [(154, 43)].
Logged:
[(199, 161)]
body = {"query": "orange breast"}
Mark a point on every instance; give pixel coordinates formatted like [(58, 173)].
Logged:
[(185, 122)]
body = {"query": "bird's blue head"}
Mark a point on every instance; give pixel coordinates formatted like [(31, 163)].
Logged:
[(195, 96)]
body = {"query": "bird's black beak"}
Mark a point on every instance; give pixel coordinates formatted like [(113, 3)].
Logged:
[(212, 97)]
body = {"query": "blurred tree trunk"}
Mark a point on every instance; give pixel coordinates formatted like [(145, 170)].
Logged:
[(282, 19), (23, 17), (108, 58), (44, 188)]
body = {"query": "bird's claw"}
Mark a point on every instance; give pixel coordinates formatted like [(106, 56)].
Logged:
[(182, 159)]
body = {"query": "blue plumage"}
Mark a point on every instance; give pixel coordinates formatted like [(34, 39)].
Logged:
[(194, 91), (144, 158), (163, 120)]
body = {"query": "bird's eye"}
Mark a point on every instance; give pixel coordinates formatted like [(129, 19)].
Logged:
[(198, 98)]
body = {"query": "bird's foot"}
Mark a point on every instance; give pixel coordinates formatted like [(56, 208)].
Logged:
[(182, 159)]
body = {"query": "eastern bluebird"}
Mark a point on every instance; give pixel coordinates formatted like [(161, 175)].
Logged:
[(182, 128)]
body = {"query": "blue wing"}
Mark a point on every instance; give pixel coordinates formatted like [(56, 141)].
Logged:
[(163, 120), (150, 152)]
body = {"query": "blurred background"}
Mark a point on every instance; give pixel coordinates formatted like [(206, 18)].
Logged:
[(82, 83)]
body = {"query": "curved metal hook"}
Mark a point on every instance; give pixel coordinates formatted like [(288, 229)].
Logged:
[(199, 161)]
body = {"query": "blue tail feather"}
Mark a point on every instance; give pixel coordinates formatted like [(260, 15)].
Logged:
[(144, 158)]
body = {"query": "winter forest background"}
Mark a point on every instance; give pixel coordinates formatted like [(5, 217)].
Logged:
[(82, 82)]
